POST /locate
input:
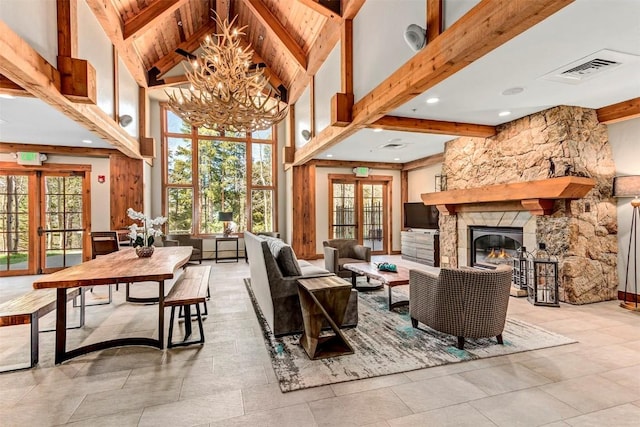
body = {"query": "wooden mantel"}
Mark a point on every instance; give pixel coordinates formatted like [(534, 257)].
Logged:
[(536, 197)]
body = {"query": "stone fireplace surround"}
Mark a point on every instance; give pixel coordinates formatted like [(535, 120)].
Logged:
[(582, 233)]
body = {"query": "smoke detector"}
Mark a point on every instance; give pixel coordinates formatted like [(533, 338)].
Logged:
[(589, 67)]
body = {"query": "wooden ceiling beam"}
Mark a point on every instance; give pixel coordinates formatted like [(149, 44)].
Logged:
[(435, 15), (487, 26), (353, 163), (110, 21), (167, 62), (24, 66), (322, 9), (326, 40), (273, 25), (8, 87), (150, 15), (424, 162), (13, 147), (407, 124), (624, 110)]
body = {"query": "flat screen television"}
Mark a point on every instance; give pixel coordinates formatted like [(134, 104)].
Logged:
[(419, 215)]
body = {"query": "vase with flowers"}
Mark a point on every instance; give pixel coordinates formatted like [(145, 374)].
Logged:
[(144, 231)]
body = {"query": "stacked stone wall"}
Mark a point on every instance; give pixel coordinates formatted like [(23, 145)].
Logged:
[(557, 142)]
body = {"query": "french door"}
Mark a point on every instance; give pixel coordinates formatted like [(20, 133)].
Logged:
[(359, 209), (44, 219)]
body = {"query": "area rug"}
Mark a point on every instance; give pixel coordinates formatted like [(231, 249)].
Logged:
[(385, 343)]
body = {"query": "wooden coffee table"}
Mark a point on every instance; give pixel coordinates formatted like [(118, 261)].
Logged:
[(370, 270), (323, 298)]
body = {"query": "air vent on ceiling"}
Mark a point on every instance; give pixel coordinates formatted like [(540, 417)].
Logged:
[(392, 146), (589, 67)]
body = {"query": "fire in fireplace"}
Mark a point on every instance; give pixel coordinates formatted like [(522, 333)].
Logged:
[(493, 245)]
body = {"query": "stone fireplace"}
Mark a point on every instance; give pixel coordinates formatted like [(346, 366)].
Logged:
[(580, 231)]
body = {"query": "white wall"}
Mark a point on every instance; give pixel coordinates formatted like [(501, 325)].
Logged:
[(302, 116), (327, 83), (322, 203), (624, 137), (128, 98), (35, 21), (422, 181), (379, 23), (155, 173), (95, 47)]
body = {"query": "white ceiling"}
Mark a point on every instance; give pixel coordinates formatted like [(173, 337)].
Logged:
[(473, 95), (32, 121)]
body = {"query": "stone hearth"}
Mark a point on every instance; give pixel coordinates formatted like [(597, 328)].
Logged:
[(582, 233)]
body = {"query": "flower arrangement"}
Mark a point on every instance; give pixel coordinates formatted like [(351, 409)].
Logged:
[(145, 234)]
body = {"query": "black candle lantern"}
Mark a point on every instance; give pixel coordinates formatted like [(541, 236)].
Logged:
[(543, 290), (522, 269)]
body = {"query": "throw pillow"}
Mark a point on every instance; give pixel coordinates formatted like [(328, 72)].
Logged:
[(288, 262)]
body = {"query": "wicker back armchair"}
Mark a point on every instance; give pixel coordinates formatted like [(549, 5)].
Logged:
[(465, 302), (338, 252)]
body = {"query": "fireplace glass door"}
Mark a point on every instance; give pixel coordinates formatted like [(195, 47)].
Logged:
[(494, 245)]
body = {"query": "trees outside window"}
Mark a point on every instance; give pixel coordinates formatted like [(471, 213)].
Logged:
[(206, 172)]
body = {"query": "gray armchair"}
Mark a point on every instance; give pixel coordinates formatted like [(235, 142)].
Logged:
[(466, 302), (187, 240), (338, 252)]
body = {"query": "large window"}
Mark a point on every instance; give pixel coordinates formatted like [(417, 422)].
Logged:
[(206, 172)]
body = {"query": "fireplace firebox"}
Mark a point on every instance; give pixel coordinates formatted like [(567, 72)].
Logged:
[(493, 245)]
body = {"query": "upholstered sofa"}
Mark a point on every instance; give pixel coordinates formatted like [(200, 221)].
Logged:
[(275, 271), (464, 302)]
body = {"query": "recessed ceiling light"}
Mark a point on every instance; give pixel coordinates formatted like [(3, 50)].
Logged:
[(329, 155), (513, 91), (396, 159), (433, 100), (87, 141), (377, 129), (6, 96), (504, 113)]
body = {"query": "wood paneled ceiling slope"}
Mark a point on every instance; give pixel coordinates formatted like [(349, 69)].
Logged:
[(291, 40)]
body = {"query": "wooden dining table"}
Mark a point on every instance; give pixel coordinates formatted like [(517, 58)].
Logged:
[(122, 266)]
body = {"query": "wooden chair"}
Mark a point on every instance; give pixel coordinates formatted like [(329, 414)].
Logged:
[(103, 243)]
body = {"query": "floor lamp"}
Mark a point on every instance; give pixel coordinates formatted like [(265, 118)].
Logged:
[(629, 186)]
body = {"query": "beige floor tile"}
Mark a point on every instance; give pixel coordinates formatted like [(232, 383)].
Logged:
[(504, 378), (190, 412), (78, 386), (261, 398), (563, 366), (359, 409), (124, 419), (437, 392), (620, 416), (291, 416), (628, 377), (602, 355), (127, 399), (206, 384), (350, 387), (590, 393), (43, 413), (463, 415), (531, 407)]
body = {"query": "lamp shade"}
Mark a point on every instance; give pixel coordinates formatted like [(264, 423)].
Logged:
[(626, 186), (225, 216)]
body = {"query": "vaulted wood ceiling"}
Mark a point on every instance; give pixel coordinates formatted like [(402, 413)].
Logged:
[(155, 34)]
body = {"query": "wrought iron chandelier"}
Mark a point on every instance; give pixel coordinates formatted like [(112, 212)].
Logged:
[(225, 93)]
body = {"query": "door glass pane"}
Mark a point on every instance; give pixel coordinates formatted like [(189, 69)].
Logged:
[(372, 218), (262, 164), (14, 222), (179, 210), (343, 215), (62, 226), (262, 210), (179, 160)]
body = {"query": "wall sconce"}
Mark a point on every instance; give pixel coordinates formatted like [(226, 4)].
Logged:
[(125, 120), (306, 135)]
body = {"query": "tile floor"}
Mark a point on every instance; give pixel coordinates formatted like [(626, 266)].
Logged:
[(229, 381)]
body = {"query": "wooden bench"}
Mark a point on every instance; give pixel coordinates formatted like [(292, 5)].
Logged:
[(28, 309), (190, 289)]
